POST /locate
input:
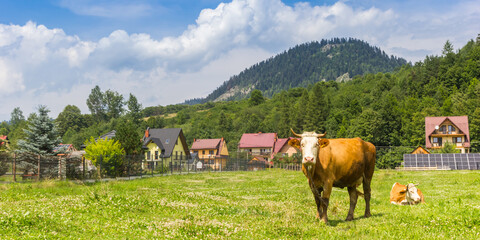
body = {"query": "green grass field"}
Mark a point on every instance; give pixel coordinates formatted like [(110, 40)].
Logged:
[(272, 204)]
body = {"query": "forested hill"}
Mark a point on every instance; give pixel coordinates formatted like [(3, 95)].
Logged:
[(304, 65)]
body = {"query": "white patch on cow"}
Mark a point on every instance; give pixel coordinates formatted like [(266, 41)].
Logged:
[(309, 146), (412, 195)]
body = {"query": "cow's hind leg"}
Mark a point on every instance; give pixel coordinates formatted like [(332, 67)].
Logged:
[(352, 191), (367, 194)]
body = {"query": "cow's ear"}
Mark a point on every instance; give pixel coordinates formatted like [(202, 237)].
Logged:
[(294, 143), (403, 190), (323, 142)]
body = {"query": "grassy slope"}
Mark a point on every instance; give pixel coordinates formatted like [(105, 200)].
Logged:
[(257, 205)]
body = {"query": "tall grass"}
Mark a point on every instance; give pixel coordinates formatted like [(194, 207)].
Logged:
[(273, 204)]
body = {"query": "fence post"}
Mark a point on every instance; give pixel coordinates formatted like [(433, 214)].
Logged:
[(171, 164), (83, 164), (38, 175), (59, 167), (14, 170), (100, 167)]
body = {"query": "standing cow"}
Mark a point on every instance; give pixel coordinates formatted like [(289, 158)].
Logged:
[(406, 195), (339, 163)]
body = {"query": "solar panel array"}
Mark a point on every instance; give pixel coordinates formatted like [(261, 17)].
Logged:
[(455, 161)]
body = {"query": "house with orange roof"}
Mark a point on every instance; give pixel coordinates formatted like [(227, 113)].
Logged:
[(442, 130), (211, 151)]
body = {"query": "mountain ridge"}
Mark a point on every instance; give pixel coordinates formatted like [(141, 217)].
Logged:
[(338, 59)]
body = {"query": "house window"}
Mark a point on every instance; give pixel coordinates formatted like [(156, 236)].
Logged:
[(451, 128), (156, 155), (210, 152), (148, 155), (203, 152), (167, 140), (435, 140), (442, 129), (457, 139)]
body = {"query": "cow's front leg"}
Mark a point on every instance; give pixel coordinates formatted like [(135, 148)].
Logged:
[(352, 191), (327, 190), (318, 200)]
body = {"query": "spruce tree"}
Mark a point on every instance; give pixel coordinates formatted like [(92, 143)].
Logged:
[(41, 135)]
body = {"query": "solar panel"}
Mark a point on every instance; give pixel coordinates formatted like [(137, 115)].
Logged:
[(457, 161)]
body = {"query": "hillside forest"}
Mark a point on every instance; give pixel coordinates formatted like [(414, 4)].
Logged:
[(385, 108)]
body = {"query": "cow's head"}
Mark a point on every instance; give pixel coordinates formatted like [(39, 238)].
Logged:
[(412, 195), (309, 144)]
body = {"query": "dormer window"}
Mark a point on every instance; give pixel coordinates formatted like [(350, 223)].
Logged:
[(167, 141), (451, 128), (442, 129)]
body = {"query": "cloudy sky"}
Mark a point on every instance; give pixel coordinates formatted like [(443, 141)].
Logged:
[(53, 52)]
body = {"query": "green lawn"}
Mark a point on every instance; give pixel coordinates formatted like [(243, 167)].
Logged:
[(268, 204)]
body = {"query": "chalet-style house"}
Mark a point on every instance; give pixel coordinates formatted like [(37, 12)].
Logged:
[(165, 144), (453, 130), (211, 151), (258, 144)]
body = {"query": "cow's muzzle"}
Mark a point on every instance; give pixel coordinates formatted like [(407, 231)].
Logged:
[(308, 160)]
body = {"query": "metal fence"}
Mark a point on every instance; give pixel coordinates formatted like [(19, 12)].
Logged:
[(26, 167)]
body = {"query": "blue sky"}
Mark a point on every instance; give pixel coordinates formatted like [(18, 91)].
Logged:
[(53, 52)]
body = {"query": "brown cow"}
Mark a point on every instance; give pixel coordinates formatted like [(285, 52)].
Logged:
[(328, 163), (406, 195)]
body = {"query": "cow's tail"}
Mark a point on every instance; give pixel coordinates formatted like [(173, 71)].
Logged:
[(360, 194)]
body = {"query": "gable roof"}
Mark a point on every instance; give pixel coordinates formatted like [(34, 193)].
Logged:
[(217, 143), (281, 142), (65, 147), (460, 122), (206, 144), (108, 135), (257, 140), (165, 139)]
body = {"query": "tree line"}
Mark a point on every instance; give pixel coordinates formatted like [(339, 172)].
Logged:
[(387, 109)]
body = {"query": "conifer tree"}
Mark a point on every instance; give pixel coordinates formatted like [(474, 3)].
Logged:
[(41, 135)]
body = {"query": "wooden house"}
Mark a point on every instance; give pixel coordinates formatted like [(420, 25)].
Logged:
[(211, 151), (442, 130)]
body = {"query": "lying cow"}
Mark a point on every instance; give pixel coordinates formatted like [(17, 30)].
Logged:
[(339, 163), (406, 195)]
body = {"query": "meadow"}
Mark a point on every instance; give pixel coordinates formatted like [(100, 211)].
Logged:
[(271, 204)]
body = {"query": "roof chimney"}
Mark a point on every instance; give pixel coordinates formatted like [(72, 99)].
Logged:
[(147, 133)]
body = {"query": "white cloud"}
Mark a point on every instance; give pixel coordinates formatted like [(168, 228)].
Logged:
[(41, 65)]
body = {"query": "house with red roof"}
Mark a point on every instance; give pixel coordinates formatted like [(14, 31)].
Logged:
[(453, 130), (211, 151), (258, 144)]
